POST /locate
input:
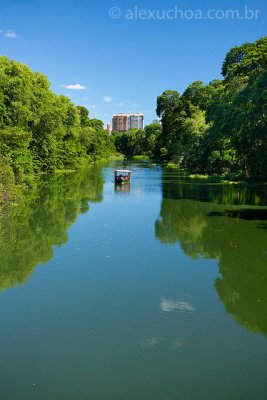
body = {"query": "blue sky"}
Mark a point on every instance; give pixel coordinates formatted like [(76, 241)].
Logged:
[(118, 56)]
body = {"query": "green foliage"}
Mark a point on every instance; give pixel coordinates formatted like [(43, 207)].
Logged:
[(138, 141), (41, 131), (97, 124), (9, 191), (97, 143), (84, 116), (246, 60), (220, 127), (167, 102), (14, 146)]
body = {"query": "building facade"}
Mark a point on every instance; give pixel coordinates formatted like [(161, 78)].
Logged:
[(124, 122), (120, 122), (136, 121), (109, 128)]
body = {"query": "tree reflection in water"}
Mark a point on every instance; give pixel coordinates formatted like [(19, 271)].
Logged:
[(29, 231), (205, 221)]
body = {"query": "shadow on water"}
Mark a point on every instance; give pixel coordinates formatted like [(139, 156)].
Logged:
[(247, 213), (175, 186), (29, 231), (237, 242)]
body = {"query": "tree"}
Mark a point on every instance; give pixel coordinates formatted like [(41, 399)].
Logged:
[(84, 116), (220, 127), (246, 60), (41, 131), (152, 134)]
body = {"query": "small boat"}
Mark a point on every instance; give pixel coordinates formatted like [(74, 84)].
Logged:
[(122, 175)]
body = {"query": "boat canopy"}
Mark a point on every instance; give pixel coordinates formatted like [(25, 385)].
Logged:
[(122, 171)]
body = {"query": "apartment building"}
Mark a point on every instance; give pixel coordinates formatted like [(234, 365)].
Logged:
[(120, 122), (124, 122)]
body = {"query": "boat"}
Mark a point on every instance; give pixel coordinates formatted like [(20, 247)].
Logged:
[(122, 175)]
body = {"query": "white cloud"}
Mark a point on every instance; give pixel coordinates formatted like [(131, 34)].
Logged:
[(76, 86), (120, 104), (92, 107), (8, 33), (170, 305), (107, 99)]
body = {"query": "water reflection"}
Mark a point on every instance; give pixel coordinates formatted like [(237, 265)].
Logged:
[(175, 186), (155, 341), (29, 232), (122, 188), (170, 305), (151, 342), (204, 229)]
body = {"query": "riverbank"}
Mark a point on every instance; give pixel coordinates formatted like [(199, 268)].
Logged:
[(12, 191), (228, 178)]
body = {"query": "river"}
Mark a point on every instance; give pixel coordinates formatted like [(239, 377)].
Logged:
[(155, 290)]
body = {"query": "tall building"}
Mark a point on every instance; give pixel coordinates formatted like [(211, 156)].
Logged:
[(136, 121), (120, 122), (124, 122), (109, 128)]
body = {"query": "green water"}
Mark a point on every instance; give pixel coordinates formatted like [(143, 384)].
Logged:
[(154, 291)]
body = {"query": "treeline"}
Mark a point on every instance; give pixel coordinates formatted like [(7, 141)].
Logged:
[(41, 131), (138, 141), (219, 128)]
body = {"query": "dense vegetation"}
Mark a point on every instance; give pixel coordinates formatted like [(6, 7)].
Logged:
[(41, 131), (216, 128), (138, 141)]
